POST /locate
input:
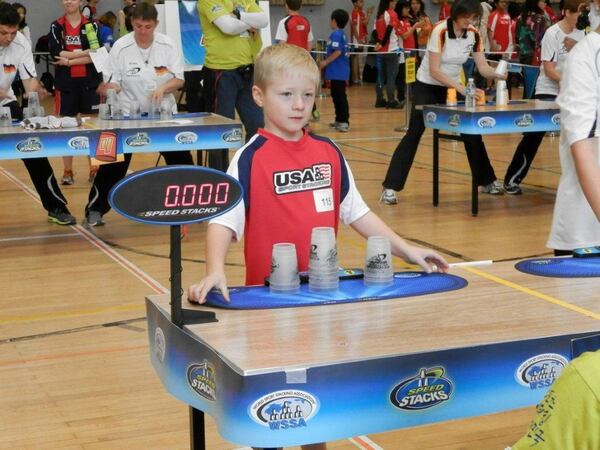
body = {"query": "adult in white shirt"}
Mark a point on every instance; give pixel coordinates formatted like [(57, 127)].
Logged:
[(450, 44), (556, 44), (16, 57), (143, 66), (576, 224)]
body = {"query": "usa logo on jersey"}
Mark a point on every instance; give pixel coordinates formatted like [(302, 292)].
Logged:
[(316, 176)]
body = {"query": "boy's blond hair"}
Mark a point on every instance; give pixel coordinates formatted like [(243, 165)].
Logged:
[(275, 59)]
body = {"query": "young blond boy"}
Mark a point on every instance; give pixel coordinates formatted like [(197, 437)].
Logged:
[(276, 208)]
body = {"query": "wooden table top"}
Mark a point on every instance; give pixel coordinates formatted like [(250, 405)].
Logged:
[(500, 304)]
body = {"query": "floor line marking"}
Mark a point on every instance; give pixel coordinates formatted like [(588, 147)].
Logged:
[(39, 236), (534, 293), (59, 356), (100, 245), (363, 442), (76, 313)]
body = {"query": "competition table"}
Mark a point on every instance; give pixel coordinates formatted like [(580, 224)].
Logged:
[(195, 131), (519, 116), (290, 376)]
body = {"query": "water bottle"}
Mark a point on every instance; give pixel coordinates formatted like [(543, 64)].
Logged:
[(470, 94), (91, 36)]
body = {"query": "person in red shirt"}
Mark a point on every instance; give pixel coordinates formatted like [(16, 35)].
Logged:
[(406, 31), (295, 28), (500, 28), (444, 10), (386, 32), (75, 76), (358, 35)]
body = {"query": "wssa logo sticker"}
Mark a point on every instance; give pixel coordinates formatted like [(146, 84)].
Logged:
[(284, 410), (426, 389)]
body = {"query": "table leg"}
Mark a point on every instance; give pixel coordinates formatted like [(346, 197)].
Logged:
[(474, 197), (436, 166), (197, 431)]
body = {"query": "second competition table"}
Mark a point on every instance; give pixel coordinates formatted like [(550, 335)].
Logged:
[(291, 376), (195, 131), (519, 116)]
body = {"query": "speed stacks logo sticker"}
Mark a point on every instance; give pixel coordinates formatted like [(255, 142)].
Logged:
[(426, 389)]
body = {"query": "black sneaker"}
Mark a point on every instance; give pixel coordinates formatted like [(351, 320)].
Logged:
[(93, 219), (380, 103), (61, 216), (394, 105), (512, 189)]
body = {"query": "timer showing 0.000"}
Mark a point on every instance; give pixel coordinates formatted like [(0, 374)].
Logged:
[(196, 195)]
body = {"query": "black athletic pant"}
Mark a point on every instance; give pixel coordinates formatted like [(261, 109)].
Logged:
[(526, 151), (41, 173), (340, 100), (110, 174), (404, 155)]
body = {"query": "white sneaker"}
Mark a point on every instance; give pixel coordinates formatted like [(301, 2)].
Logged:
[(343, 127), (494, 188), (388, 197)]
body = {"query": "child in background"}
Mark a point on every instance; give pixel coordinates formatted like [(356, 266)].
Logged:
[(107, 22), (358, 34), (406, 32), (295, 29), (337, 69), (89, 10)]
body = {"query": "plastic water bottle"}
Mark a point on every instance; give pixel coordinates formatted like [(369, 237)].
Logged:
[(470, 94), (91, 36)]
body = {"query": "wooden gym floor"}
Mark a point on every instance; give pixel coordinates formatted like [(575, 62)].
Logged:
[(73, 348)]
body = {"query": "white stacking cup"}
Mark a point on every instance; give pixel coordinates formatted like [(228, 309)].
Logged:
[(379, 269), (284, 276), (501, 67), (134, 110), (166, 111), (5, 117), (154, 112), (103, 111), (323, 262), (33, 102)]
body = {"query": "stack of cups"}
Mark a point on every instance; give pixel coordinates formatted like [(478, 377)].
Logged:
[(135, 111), (33, 105), (323, 263), (5, 117), (284, 269), (166, 111), (378, 262)]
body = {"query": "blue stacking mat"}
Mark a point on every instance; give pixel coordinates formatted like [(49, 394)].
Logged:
[(406, 284), (561, 267)]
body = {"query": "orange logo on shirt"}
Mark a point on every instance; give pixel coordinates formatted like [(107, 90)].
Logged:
[(9, 68), (161, 70)]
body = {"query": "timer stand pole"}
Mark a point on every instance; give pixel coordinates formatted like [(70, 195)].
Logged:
[(180, 316)]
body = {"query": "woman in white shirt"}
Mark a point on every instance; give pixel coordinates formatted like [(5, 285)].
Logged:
[(146, 67), (450, 44)]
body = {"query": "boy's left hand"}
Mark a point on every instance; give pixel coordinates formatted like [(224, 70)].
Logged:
[(428, 259)]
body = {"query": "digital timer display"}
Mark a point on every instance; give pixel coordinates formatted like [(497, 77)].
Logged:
[(196, 194), (175, 195)]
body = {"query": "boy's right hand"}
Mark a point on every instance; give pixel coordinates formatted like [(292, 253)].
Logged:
[(197, 292)]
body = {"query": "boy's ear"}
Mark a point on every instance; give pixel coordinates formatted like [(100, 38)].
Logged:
[(258, 95)]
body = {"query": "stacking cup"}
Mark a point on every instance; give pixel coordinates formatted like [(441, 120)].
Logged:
[(166, 112), (501, 67), (33, 102), (378, 262), (5, 117), (323, 262), (154, 112), (134, 110), (284, 269), (103, 111)]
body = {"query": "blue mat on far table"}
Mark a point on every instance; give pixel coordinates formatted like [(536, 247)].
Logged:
[(406, 284), (561, 267)]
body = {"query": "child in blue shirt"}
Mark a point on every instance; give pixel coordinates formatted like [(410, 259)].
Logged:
[(337, 69)]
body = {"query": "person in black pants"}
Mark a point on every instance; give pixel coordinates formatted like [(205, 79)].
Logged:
[(16, 54), (448, 48), (144, 67)]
